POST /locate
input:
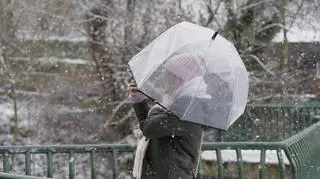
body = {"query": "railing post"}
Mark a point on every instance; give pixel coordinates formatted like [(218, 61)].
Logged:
[(115, 163), (290, 123), (262, 163), (265, 123), (309, 116), (49, 164), (200, 171), (285, 122), (28, 163), (5, 162), (220, 164), (71, 165), (281, 164), (279, 123), (239, 163), (93, 164)]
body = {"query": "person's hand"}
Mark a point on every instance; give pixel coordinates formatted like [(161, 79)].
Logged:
[(138, 133), (132, 88)]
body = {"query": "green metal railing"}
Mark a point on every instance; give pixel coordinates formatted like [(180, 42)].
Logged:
[(272, 122), (302, 151), (238, 148), (14, 176), (71, 150), (116, 150)]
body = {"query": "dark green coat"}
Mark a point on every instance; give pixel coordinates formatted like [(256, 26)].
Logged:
[(174, 145)]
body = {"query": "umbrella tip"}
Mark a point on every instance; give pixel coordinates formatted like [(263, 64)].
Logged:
[(215, 35)]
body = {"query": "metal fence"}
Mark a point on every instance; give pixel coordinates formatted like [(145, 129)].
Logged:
[(296, 157), (15, 176), (116, 150), (271, 122), (70, 150), (301, 152)]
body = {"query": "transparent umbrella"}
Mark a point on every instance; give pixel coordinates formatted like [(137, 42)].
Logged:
[(195, 73)]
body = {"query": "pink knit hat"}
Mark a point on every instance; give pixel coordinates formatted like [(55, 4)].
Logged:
[(185, 66)]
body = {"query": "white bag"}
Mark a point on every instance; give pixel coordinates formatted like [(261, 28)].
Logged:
[(138, 160)]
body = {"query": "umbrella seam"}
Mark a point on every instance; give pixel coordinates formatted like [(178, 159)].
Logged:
[(232, 72)]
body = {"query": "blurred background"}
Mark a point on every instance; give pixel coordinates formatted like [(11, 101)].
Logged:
[(63, 63)]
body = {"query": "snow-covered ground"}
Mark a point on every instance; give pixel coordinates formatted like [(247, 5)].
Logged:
[(6, 112), (29, 36), (28, 115), (248, 156), (51, 60)]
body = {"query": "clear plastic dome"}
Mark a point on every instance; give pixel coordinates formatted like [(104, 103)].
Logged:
[(199, 79)]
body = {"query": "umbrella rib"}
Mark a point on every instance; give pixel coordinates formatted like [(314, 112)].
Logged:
[(153, 100)]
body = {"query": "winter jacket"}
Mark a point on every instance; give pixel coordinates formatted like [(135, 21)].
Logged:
[(173, 150)]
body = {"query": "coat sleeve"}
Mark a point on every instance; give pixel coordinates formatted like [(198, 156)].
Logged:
[(161, 123), (142, 109)]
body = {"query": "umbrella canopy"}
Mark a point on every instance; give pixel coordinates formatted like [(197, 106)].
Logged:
[(197, 76)]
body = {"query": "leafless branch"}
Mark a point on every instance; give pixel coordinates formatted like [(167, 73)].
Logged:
[(126, 117), (296, 14), (3, 7), (117, 108), (271, 26), (260, 63), (213, 13), (249, 6), (230, 10), (12, 45), (5, 67)]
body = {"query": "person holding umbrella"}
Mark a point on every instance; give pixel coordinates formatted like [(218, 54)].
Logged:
[(170, 147), (197, 80)]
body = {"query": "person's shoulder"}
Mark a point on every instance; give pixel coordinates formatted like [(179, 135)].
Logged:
[(156, 109)]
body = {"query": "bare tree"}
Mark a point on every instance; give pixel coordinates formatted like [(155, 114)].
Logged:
[(8, 46), (250, 24), (116, 31)]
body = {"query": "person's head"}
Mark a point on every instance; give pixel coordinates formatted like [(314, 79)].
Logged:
[(178, 69), (175, 71), (184, 65)]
